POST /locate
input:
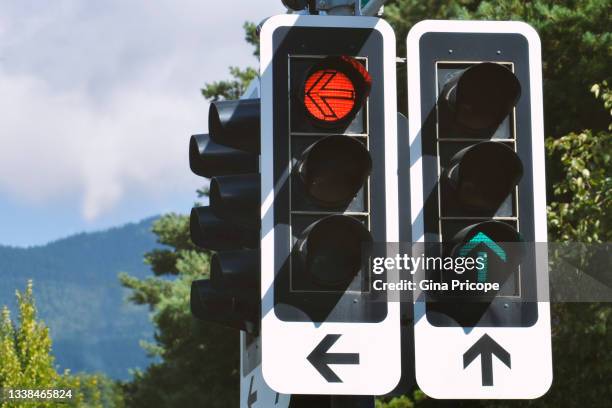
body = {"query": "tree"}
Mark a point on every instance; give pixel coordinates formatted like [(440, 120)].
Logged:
[(197, 363), (582, 197), (26, 361), (576, 48), (580, 212), (241, 78)]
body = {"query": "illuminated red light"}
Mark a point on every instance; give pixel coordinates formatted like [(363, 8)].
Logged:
[(329, 95)]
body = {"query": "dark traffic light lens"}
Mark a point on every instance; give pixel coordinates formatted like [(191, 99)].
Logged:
[(332, 248), (483, 175), (481, 96), (334, 169)]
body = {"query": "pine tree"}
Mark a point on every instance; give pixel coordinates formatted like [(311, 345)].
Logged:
[(197, 363)]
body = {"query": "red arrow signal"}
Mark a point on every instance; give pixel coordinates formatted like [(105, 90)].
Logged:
[(329, 95)]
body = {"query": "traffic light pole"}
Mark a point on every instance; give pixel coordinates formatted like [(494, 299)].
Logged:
[(352, 401), (331, 401), (337, 7)]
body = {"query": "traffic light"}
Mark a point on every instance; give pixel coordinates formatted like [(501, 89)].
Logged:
[(329, 190), (229, 225), (477, 187), (478, 191)]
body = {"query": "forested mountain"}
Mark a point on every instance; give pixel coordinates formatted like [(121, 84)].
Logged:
[(78, 295)]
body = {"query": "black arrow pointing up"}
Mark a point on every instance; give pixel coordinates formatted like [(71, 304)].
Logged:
[(252, 395), (321, 359), (486, 347)]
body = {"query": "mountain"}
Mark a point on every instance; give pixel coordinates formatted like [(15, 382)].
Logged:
[(78, 295)]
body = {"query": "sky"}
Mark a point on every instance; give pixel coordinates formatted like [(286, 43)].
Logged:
[(97, 103)]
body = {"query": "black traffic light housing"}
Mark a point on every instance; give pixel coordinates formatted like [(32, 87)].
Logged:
[(228, 155), (329, 200), (328, 191), (477, 172)]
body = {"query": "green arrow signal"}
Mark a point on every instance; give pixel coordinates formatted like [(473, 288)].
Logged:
[(482, 238)]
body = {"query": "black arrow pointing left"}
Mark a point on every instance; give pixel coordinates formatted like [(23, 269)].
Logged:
[(252, 398), (321, 359), (486, 347)]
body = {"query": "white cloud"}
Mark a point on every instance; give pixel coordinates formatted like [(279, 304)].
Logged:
[(98, 99)]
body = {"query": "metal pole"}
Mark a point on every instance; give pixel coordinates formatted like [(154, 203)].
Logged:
[(346, 7), (352, 401), (372, 7), (336, 7)]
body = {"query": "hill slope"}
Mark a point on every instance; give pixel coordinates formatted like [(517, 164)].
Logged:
[(79, 297)]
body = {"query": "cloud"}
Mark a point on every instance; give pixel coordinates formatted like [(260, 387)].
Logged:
[(98, 99)]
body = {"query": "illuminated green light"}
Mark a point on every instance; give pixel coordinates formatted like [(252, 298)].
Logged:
[(482, 238)]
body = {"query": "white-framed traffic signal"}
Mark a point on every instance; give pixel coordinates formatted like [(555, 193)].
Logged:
[(477, 177), (329, 187)]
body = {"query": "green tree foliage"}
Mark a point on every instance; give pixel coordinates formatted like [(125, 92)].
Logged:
[(26, 361), (576, 48), (197, 363), (235, 87), (230, 89), (582, 198), (580, 212)]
